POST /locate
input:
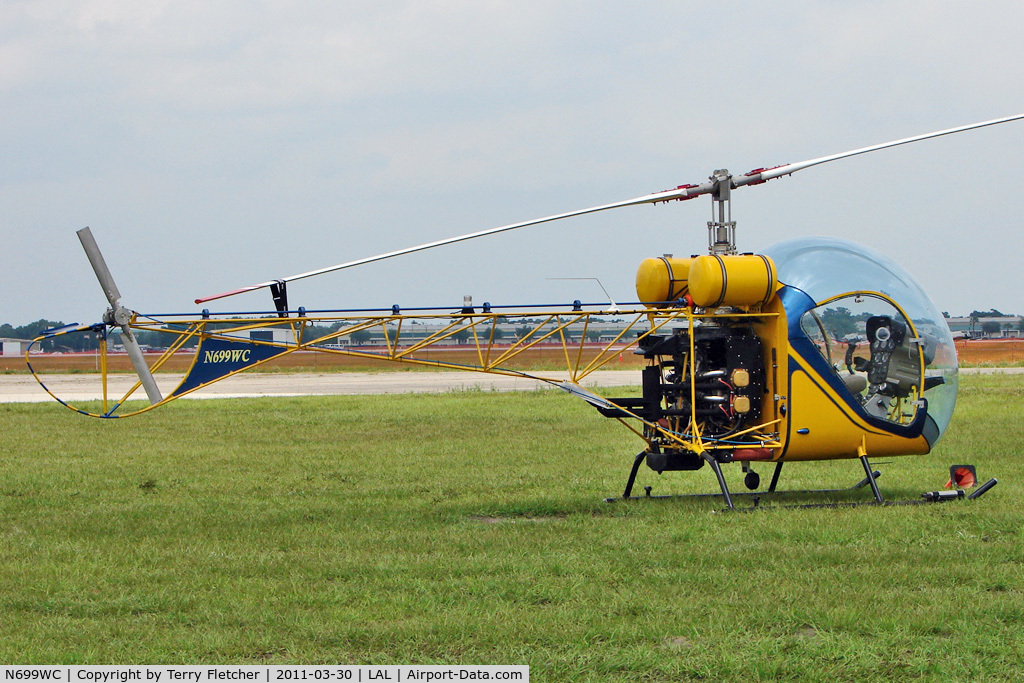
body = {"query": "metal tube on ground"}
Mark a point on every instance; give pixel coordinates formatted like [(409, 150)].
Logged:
[(983, 488)]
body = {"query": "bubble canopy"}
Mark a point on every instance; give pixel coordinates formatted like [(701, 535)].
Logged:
[(828, 268)]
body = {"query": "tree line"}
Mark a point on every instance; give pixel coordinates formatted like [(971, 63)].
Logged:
[(839, 319), (79, 341), (72, 342)]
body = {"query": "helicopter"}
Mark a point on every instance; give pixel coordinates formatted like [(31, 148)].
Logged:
[(815, 349)]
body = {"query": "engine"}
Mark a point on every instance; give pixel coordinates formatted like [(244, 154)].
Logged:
[(715, 381)]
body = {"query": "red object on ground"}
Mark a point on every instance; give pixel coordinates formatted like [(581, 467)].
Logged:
[(962, 477)]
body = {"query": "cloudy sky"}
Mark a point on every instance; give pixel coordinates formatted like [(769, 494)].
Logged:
[(211, 145)]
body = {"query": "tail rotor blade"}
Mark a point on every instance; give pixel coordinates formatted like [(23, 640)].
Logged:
[(121, 315)]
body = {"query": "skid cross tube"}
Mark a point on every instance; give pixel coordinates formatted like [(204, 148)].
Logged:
[(870, 479), (775, 477), (632, 473), (721, 479)]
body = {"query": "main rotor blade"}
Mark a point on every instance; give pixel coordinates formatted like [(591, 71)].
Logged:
[(762, 175), (684, 192)]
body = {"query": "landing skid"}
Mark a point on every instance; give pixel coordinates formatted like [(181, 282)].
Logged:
[(870, 479)]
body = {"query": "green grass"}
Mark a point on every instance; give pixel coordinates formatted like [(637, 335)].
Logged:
[(1010, 363), (468, 528)]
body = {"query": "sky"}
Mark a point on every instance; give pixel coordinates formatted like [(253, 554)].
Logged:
[(216, 144)]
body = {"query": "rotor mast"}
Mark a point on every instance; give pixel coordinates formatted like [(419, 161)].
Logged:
[(721, 227)]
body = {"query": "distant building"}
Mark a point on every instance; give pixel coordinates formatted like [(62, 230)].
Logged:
[(987, 327), (14, 347), (277, 335)]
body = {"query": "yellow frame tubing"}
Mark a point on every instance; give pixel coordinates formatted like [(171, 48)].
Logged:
[(393, 329), (103, 368)]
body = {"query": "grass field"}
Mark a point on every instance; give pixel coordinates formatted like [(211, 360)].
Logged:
[(468, 528)]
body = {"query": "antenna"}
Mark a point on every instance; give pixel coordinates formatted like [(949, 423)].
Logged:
[(614, 308)]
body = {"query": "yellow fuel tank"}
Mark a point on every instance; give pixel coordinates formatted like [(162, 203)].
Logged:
[(730, 280), (662, 279)]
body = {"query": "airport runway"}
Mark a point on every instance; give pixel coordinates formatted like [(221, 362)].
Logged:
[(85, 387)]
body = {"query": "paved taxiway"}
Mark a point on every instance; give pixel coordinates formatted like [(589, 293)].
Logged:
[(85, 387)]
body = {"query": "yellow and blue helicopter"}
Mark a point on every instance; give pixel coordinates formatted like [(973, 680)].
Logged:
[(815, 349)]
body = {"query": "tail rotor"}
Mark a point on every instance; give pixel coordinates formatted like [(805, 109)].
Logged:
[(119, 315)]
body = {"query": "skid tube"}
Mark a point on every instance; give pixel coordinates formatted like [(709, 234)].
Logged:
[(869, 480), (727, 496)]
